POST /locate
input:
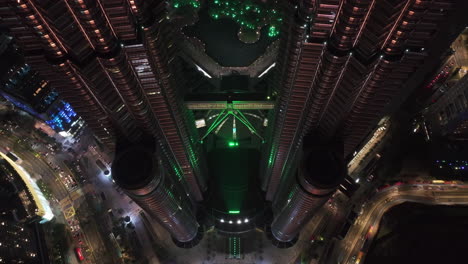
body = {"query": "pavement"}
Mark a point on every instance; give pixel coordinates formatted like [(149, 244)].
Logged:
[(65, 198), (68, 199), (211, 250), (116, 200), (366, 225)]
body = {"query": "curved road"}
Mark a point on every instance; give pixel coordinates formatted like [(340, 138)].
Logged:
[(36, 166), (345, 251)]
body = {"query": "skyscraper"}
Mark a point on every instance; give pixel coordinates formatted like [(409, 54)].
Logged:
[(337, 66)]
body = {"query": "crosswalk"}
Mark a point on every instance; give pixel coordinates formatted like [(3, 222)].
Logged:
[(66, 204), (67, 208)]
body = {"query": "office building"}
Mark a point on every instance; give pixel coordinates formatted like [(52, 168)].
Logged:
[(325, 70)]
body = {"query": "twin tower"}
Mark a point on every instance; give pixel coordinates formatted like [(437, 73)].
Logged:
[(140, 171)]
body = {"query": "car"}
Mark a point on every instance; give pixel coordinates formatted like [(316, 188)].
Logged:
[(79, 254), (14, 157)]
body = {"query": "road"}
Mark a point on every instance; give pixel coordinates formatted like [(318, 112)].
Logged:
[(346, 250), (65, 199), (116, 200)]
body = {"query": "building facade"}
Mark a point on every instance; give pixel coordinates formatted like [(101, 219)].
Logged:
[(340, 66)]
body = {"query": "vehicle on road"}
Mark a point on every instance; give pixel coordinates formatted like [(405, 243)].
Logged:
[(13, 157), (79, 254), (359, 257)]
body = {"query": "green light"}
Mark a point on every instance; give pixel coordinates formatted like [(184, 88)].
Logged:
[(234, 212), (273, 31), (185, 3), (233, 144), (248, 14)]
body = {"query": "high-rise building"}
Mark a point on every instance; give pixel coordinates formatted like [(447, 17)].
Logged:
[(112, 62), (28, 91), (447, 116), (21, 207), (139, 171), (19, 243), (321, 169), (24, 192), (446, 107), (327, 71), (342, 65), (23, 86)]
